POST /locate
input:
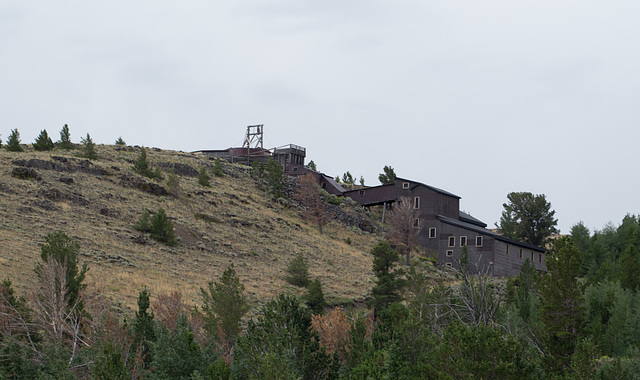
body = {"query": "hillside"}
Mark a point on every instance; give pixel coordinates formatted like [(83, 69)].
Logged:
[(97, 203)]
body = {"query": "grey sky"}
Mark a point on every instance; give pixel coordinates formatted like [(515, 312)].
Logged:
[(477, 98)]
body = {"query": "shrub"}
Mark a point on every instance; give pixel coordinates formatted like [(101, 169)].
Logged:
[(13, 142), (88, 148), (43, 142), (143, 222), (315, 296), (161, 228), (173, 184), (298, 271), (65, 138)]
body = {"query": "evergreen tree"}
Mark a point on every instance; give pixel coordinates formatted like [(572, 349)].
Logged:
[(526, 280), (161, 228), (173, 184), (312, 165), (88, 148), (43, 142), (315, 296), (389, 175), (224, 304), (203, 178), (64, 250), (528, 217), (65, 138), (388, 279), (630, 262), (143, 222), (348, 179), (298, 272), (13, 142), (561, 304), (120, 142), (143, 327), (275, 178), (142, 166), (217, 167)]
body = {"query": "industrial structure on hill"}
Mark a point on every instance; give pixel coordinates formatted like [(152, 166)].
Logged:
[(441, 228)]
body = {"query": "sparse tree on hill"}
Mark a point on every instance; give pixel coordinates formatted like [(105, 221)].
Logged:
[(298, 271), (389, 282), (361, 180), (403, 227), (348, 179), (65, 138), (312, 165), (173, 184), (315, 296), (275, 178), (43, 142), (143, 222), (142, 167), (13, 142), (161, 228), (308, 194), (224, 305), (88, 148), (389, 175), (528, 217), (120, 142), (217, 168), (143, 327), (203, 178)]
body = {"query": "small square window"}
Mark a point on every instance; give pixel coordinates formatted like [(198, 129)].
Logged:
[(452, 241), (416, 223), (449, 253), (449, 265), (432, 233), (405, 185), (361, 193), (295, 170), (478, 241), (416, 202), (463, 241)]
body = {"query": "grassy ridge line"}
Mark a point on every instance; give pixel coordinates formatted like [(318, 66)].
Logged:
[(258, 235)]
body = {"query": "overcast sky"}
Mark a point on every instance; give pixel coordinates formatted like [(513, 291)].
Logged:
[(480, 98)]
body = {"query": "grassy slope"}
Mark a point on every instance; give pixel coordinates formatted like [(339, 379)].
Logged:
[(256, 234)]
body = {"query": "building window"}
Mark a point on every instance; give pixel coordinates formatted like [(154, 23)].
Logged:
[(507, 252), (361, 193), (416, 202), (432, 233), (539, 257), (452, 241), (405, 185), (449, 265), (478, 241), (463, 241), (520, 253), (531, 257), (295, 170), (416, 223), (449, 253)]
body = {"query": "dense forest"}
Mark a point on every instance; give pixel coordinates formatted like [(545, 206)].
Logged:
[(580, 319)]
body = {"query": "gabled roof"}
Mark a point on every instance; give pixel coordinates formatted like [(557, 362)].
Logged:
[(470, 219), (484, 231), (332, 182), (428, 187)]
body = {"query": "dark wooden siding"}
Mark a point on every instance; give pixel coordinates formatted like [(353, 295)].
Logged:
[(510, 264), (373, 195)]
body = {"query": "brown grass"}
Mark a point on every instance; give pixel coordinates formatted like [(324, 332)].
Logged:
[(256, 234)]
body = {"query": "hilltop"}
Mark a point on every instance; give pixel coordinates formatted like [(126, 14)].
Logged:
[(97, 203)]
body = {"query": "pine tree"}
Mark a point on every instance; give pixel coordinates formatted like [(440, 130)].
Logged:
[(173, 184), (630, 262), (561, 304), (224, 304), (389, 175), (143, 222), (65, 138), (13, 142), (298, 272), (275, 179), (161, 228), (315, 296), (88, 148), (43, 142), (203, 178), (217, 168), (120, 142), (143, 327), (388, 279)]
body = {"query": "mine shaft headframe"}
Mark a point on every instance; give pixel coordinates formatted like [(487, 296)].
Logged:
[(254, 137)]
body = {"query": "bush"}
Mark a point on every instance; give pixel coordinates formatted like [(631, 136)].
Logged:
[(143, 222), (298, 271), (43, 142), (173, 184), (13, 142)]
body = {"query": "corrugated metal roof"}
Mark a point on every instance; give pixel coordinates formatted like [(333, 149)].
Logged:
[(484, 231)]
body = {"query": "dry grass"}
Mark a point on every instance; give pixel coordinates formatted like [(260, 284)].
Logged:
[(245, 228)]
